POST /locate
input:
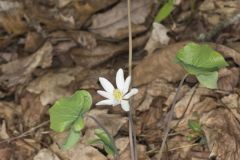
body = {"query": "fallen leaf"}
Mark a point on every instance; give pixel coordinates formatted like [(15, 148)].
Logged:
[(45, 154), (5, 152), (222, 134), (12, 21), (113, 23), (123, 145), (86, 152), (3, 131), (158, 37), (102, 52), (19, 71), (228, 79)]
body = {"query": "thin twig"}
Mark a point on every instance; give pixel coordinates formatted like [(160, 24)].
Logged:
[(24, 134), (188, 104), (186, 146), (116, 157), (219, 27), (169, 118), (132, 134)]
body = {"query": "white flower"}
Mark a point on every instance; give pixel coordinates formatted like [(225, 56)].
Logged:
[(119, 95)]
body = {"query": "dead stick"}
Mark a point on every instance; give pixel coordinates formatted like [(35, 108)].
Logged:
[(24, 134), (169, 118)]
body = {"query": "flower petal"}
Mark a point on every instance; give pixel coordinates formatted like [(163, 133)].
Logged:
[(106, 84), (105, 94), (126, 85), (105, 102), (125, 105), (132, 92), (120, 79)]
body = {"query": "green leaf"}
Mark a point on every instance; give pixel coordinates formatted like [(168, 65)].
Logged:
[(78, 124), (72, 139), (68, 110), (201, 56), (106, 140), (194, 125), (165, 11), (201, 61), (208, 80)]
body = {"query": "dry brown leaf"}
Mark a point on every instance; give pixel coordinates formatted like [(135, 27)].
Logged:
[(51, 86), (232, 101), (19, 71), (10, 4), (10, 113), (5, 152), (33, 41), (123, 145), (113, 23), (161, 65), (214, 11), (3, 131), (85, 152), (228, 79), (158, 37), (45, 154), (12, 21), (103, 51), (223, 134)]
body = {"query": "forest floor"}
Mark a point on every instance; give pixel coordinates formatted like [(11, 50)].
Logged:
[(51, 48)]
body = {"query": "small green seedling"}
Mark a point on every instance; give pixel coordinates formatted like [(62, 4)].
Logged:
[(165, 11), (103, 138), (203, 62), (68, 113)]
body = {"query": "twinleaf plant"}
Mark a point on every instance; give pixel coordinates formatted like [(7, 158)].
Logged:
[(203, 62), (68, 114)]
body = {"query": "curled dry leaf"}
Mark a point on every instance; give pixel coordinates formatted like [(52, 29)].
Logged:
[(158, 37), (223, 134), (102, 52), (45, 154), (19, 71), (86, 152), (113, 23)]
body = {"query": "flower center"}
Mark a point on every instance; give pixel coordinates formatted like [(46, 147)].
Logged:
[(117, 94)]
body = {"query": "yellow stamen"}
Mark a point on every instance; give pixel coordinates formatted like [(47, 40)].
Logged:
[(117, 94)]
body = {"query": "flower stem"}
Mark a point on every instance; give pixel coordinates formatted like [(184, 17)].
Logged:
[(132, 134), (169, 117), (132, 137), (116, 155)]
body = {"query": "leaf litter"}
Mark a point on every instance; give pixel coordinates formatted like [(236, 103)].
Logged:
[(50, 49)]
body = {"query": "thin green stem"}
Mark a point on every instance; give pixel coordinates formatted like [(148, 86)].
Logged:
[(169, 118), (116, 156)]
